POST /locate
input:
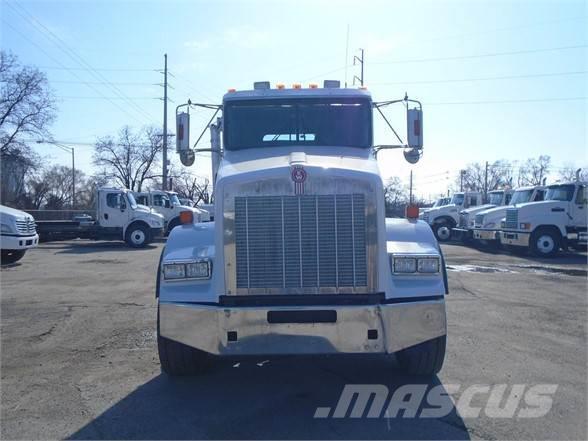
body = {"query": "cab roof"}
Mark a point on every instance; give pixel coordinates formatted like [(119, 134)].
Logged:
[(244, 95)]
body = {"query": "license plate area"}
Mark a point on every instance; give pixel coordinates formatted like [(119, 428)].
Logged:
[(311, 316)]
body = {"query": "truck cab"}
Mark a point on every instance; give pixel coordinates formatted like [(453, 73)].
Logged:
[(544, 227), (300, 258), (487, 222), (18, 234), (465, 226), (167, 203), (120, 217), (445, 218)]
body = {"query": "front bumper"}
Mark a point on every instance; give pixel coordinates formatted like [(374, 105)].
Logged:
[(480, 234), (462, 232), (376, 328), (514, 238), (157, 231), (18, 242)]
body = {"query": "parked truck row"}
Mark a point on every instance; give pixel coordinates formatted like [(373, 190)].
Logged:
[(538, 219)]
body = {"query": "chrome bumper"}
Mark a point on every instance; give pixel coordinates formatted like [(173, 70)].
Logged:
[(486, 234), (381, 328), (514, 238)]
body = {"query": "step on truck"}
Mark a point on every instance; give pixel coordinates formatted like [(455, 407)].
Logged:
[(167, 203), (543, 228), (445, 218), (300, 258), (464, 230), (117, 217), (487, 222), (18, 234)]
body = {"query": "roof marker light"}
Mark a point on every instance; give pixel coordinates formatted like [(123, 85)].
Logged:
[(280, 86), (313, 86), (231, 90), (362, 87), (296, 86)]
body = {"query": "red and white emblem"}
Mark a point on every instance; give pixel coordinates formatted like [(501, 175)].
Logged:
[(298, 176)]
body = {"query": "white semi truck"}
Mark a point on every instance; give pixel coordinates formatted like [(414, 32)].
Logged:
[(445, 218), (300, 258), (169, 206), (117, 217), (487, 222), (560, 221), (18, 234), (465, 226)]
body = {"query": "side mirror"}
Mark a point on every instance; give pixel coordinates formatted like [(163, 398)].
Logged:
[(182, 132), (414, 129), (166, 204)]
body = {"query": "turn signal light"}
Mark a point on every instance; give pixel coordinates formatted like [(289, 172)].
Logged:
[(186, 217)]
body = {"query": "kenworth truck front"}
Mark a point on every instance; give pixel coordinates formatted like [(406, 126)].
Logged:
[(300, 258)]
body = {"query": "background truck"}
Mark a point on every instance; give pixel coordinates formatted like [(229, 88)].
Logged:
[(543, 228), (169, 206), (117, 217), (438, 203), (487, 222), (465, 225), (18, 234), (446, 217), (300, 258)]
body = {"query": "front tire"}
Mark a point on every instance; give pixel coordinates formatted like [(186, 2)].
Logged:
[(442, 231), (425, 358), (178, 359), (12, 256), (545, 242), (137, 236)]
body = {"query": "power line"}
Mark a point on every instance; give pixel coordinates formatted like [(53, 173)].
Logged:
[(505, 77), (101, 83), (532, 100), (493, 54), (106, 98), (101, 69)]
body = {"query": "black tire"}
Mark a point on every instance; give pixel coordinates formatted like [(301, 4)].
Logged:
[(12, 256), (138, 236), (545, 242), (442, 231), (178, 359), (425, 358), (174, 223)]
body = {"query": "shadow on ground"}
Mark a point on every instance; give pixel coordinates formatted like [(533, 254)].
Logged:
[(257, 400), (90, 246)]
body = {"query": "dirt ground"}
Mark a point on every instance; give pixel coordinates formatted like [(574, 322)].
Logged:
[(79, 356)]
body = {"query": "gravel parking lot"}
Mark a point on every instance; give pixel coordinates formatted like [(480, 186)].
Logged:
[(79, 356)]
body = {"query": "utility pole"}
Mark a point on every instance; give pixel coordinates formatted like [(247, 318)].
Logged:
[(73, 179), (164, 184), (461, 175), (486, 182), (361, 62), (410, 194)]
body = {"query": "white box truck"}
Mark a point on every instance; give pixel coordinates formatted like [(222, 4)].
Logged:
[(18, 234)]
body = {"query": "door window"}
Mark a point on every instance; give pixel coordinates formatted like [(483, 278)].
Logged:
[(114, 200), (539, 195), (581, 196), (158, 200), (142, 200)]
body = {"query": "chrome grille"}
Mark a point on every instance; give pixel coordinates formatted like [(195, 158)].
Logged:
[(512, 218), (26, 226), (479, 221), (307, 241)]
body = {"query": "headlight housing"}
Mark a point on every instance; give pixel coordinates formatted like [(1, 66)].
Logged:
[(6, 228), (418, 264), (187, 270)]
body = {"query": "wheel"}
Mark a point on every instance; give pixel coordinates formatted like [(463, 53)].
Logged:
[(545, 242), (174, 223), (12, 256), (178, 359), (425, 358), (442, 231), (137, 236)]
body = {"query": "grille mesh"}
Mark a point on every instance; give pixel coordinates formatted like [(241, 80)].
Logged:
[(302, 241), (512, 218), (26, 226)]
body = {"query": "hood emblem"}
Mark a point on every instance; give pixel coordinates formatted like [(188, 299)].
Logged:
[(299, 176)]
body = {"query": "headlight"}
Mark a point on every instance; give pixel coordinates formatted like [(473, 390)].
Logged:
[(200, 269), (7, 228), (416, 264)]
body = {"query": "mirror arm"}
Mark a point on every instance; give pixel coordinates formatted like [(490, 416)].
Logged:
[(389, 125), (206, 127)]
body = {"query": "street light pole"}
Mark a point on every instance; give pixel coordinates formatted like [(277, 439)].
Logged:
[(73, 167)]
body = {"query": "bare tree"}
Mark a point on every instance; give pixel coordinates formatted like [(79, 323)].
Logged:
[(26, 109), (533, 171), (500, 174), (192, 187), (396, 197), (130, 160), (568, 173)]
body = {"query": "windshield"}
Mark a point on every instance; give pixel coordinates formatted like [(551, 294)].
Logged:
[(132, 201), (495, 198), (560, 193), (174, 199), (457, 199), (521, 196), (338, 122)]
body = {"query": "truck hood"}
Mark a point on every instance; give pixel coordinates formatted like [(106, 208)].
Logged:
[(14, 213), (474, 210), (540, 207), (257, 160), (451, 208)]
